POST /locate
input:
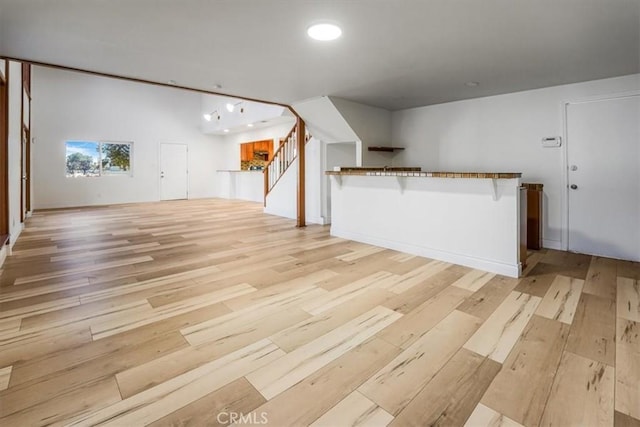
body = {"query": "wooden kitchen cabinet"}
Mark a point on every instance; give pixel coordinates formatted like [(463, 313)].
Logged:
[(248, 149), (246, 152), (243, 152)]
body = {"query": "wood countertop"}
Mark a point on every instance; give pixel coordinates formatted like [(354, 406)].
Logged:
[(416, 172)]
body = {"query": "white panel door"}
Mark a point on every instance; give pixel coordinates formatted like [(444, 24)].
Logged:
[(174, 181), (603, 150)]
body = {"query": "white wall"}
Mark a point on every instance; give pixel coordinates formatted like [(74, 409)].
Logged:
[(15, 143), (500, 133), (337, 120), (75, 106), (373, 127), (341, 154), (242, 185), (281, 200), (314, 175), (324, 121)]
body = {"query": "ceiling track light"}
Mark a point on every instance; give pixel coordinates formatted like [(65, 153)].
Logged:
[(231, 107), (228, 106), (211, 115)]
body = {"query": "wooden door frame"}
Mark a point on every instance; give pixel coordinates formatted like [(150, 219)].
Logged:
[(4, 152), (25, 172), (25, 149)]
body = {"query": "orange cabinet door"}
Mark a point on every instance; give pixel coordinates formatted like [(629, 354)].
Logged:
[(270, 149)]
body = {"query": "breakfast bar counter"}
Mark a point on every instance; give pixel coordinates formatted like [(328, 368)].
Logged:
[(467, 218), (242, 184)]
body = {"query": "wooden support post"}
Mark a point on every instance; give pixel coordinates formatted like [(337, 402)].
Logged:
[(300, 143)]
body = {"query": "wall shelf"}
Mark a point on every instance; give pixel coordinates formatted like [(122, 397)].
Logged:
[(385, 149)]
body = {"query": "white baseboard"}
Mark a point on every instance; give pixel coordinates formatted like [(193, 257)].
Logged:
[(311, 220), (316, 220), (552, 244), (511, 270), (3, 254), (278, 213), (14, 237)]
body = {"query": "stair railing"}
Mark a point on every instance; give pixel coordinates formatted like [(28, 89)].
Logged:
[(282, 158)]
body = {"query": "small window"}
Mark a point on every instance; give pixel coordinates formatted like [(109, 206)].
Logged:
[(83, 158), (116, 158), (92, 158)]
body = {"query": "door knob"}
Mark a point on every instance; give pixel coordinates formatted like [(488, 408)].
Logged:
[(574, 187)]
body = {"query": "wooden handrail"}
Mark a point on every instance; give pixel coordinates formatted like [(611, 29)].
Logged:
[(275, 153), (293, 129)]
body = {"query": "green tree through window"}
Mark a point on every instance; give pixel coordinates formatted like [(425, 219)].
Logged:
[(80, 162), (89, 158), (116, 157)]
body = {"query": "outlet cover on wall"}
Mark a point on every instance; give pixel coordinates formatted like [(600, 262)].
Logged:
[(551, 141)]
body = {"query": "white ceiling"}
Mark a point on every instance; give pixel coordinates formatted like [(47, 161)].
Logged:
[(393, 53)]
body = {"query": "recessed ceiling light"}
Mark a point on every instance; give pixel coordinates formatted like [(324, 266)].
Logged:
[(172, 82), (250, 125), (230, 107), (471, 84), (324, 31), (226, 131), (207, 117)]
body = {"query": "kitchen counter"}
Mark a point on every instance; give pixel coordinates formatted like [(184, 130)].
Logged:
[(242, 184), (474, 221), (238, 170)]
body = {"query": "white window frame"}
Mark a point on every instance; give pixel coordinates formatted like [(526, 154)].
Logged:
[(101, 172)]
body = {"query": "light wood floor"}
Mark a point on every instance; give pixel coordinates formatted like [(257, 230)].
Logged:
[(192, 313)]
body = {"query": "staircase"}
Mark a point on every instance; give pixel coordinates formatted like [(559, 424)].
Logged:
[(331, 121), (284, 157)]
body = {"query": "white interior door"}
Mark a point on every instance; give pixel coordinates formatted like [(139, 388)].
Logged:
[(603, 153), (174, 181)]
